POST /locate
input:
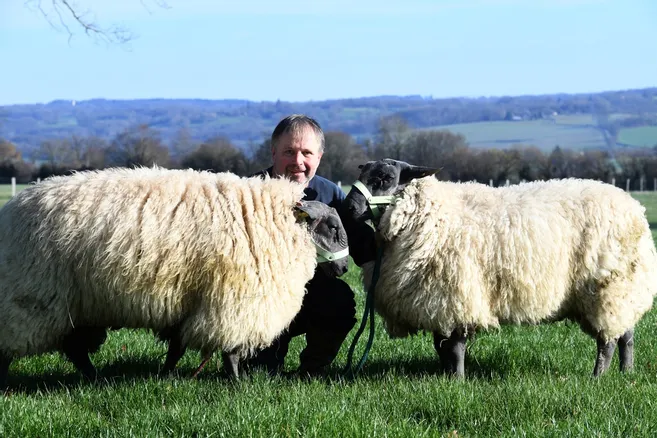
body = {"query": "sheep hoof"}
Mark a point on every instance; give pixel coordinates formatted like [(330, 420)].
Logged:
[(174, 353), (81, 361), (451, 352), (4, 370), (605, 353), (626, 351), (231, 364)]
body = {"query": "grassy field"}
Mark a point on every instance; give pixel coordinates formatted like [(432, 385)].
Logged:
[(521, 381), (571, 131), (645, 136)]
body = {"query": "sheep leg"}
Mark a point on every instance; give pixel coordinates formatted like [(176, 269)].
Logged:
[(445, 360), (626, 351), (174, 353), (605, 354), (231, 363), (452, 352), (4, 370), (76, 347)]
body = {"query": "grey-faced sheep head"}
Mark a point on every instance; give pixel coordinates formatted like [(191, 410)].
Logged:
[(328, 234), (382, 178), (377, 184)]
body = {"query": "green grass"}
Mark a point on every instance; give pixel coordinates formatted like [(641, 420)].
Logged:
[(5, 191), (649, 200), (645, 136), (521, 381)]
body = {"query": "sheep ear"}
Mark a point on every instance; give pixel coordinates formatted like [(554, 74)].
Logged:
[(360, 166), (308, 211), (299, 214), (410, 172)]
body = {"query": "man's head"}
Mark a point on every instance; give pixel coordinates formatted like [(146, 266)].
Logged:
[(297, 146)]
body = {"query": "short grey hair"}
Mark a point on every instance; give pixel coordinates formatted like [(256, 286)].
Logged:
[(296, 124)]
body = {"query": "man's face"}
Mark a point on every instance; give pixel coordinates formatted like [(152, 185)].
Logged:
[(296, 156)]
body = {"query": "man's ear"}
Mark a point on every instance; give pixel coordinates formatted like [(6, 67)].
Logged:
[(410, 172)]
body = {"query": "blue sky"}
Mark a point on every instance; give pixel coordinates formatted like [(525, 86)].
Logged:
[(299, 50)]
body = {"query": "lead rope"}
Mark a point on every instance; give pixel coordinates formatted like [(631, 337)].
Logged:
[(369, 309)]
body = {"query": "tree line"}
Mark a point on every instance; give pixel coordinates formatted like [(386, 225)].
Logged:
[(243, 121), (143, 145)]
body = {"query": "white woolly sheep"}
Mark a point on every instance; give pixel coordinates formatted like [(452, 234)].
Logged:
[(458, 257), (210, 261)]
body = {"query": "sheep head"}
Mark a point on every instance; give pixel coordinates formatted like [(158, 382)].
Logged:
[(377, 183), (327, 233)]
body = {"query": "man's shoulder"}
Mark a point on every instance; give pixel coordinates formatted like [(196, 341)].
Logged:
[(326, 191), (320, 181), (325, 184)]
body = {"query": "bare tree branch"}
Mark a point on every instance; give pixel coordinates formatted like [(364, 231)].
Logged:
[(66, 14)]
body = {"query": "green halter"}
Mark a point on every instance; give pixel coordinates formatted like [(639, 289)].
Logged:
[(374, 202), (326, 256)]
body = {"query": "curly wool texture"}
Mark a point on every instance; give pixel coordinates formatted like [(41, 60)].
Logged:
[(221, 257), (468, 255)]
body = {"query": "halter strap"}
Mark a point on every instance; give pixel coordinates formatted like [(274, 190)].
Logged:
[(327, 256), (373, 202)]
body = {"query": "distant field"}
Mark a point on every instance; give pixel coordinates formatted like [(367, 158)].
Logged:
[(640, 136), (575, 132)]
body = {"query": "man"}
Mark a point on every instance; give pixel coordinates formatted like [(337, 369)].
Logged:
[(328, 310)]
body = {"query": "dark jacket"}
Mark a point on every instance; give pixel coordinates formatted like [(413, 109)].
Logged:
[(318, 189)]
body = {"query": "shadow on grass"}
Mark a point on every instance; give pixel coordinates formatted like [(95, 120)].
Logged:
[(495, 365), (653, 225), (120, 371)]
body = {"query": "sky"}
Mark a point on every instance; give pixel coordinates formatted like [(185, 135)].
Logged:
[(300, 50)]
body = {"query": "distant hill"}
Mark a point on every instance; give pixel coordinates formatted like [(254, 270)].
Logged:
[(572, 120)]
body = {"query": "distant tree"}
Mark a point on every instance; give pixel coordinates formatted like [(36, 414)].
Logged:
[(87, 152), (260, 156), (218, 155), (559, 163), (8, 151), (182, 145), (341, 158), (55, 152), (499, 165), (66, 14), (436, 148), (12, 164), (391, 137), (533, 164), (138, 146)]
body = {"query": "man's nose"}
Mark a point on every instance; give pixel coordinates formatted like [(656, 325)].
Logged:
[(299, 159)]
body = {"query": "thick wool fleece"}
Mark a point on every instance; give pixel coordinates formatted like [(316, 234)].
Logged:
[(473, 256), (221, 256)]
